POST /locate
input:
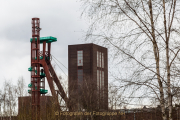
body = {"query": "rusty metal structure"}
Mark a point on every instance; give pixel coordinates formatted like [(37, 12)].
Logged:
[(40, 68), (35, 75)]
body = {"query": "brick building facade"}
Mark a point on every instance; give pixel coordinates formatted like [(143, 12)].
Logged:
[(24, 107), (88, 77)]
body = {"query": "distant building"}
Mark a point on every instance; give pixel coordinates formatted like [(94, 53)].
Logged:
[(88, 77), (24, 107)]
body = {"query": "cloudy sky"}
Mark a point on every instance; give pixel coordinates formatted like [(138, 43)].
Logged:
[(58, 18)]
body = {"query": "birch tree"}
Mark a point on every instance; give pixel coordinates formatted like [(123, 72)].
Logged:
[(143, 38)]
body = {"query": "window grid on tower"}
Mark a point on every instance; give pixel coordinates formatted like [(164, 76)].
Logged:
[(98, 81), (80, 72), (102, 60), (103, 85), (100, 75), (80, 80), (80, 58), (97, 59)]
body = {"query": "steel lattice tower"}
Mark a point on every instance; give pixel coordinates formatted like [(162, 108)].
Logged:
[(41, 59), (35, 74)]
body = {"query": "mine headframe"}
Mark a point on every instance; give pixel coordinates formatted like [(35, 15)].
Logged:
[(40, 68)]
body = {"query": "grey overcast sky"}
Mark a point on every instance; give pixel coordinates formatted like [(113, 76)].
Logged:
[(58, 18)]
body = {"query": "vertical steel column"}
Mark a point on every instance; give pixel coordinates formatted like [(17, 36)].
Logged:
[(35, 74), (42, 70), (42, 82), (44, 49), (49, 50)]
